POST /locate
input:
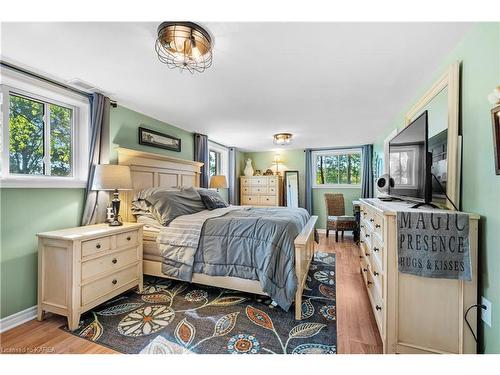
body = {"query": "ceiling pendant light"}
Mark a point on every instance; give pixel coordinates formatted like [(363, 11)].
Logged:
[(184, 45), (282, 139)]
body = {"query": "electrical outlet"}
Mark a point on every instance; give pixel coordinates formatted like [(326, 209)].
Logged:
[(486, 313)]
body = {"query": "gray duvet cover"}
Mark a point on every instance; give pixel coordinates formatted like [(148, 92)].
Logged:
[(250, 243)]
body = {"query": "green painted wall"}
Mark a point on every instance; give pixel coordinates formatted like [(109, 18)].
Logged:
[(295, 160), (124, 124), (25, 212), (479, 53)]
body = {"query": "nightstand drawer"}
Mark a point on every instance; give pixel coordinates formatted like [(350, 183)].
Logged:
[(95, 246), (259, 181), (101, 287), (126, 239), (108, 263), (245, 189)]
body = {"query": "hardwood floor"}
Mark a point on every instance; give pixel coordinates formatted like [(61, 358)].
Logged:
[(356, 327)]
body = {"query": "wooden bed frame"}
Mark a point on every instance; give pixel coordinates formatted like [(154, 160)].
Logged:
[(151, 170)]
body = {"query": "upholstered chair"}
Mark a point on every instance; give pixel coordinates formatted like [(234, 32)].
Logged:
[(336, 218)]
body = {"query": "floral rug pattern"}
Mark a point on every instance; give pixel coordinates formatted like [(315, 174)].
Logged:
[(171, 317)]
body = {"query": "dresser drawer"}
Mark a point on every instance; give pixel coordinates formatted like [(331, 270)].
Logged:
[(94, 246), (377, 277), (267, 200), (246, 181), (249, 199), (127, 239), (246, 189), (272, 181), (378, 307), (101, 287), (108, 263), (378, 225), (258, 190), (259, 181), (377, 250)]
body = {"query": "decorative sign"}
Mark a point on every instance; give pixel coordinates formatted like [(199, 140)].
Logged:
[(434, 244)]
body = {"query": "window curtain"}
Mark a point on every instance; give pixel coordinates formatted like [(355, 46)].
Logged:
[(95, 202), (367, 178), (232, 178), (201, 155), (308, 178)]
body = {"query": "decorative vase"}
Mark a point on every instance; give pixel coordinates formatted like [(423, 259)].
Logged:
[(248, 171)]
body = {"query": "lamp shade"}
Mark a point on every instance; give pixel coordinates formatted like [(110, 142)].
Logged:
[(218, 181), (112, 177)]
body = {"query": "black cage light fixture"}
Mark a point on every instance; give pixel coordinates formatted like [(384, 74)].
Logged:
[(184, 45)]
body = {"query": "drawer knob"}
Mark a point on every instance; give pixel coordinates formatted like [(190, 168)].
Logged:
[(367, 235), (375, 273), (114, 260), (367, 254), (361, 241), (114, 281), (128, 238), (377, 307), (369, 282), (365, 270), (372, 220), (375, 249), (377, 225), (98, 246), (361, 257), (362, 226), (364, 213)]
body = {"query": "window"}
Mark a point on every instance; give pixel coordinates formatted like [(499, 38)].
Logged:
[(333, 168), (214, 163), (218, 159), (403, 160), (44, 134)]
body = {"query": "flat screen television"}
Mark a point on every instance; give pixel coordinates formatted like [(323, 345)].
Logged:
[(410, 164)]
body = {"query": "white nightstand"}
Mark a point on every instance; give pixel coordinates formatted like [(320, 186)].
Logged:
[(80, 268)]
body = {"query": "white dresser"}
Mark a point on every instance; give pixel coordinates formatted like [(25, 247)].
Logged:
[(413, 314), (261, 190), (80, 268)]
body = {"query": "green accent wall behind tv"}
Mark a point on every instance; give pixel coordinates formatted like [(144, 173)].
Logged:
[(479, 53)]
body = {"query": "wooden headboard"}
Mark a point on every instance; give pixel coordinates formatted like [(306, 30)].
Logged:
[(153, 170)]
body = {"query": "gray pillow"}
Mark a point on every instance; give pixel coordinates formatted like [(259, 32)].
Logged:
[(166, 205), (139, 204), (212, 199)]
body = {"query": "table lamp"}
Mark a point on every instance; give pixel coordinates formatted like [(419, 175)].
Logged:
[(218, 182), (112, 177)]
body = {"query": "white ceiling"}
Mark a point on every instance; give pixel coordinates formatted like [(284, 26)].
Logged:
[(329, 84)]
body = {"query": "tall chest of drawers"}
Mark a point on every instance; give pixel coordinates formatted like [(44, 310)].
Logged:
[(80, 268), (413, 314), (261, 190)]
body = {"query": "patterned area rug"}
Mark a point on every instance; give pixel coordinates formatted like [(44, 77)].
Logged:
[(178, 317)]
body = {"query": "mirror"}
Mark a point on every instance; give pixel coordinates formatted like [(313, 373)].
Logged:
[(441, 104), (292, 189)]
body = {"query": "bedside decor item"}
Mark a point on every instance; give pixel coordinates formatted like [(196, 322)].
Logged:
[(153, 138), (218, 182), (282, 139), (248, 171), (495, 118), (277, 160), (268, 172), (112, 177), (258, 172), (184, 45)]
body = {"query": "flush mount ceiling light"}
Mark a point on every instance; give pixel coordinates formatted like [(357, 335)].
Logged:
[(282, 139), (184, 45)]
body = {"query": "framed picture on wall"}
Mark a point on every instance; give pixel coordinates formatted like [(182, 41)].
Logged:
[(153, 138), (495, 118)]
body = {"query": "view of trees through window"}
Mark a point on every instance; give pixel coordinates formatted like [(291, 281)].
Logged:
[(214, 162), (29, 153), (338, 169)]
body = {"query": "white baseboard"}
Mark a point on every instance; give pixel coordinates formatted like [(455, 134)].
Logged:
[(18, 318)]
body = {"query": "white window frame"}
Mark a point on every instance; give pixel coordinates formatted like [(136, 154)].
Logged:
[(15, 83), (224, 155), (415, 151), (314, 156)]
